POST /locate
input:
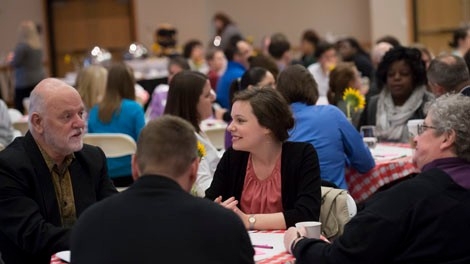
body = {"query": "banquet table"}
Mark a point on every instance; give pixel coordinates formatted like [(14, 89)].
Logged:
[(274, 238), (393, 162)]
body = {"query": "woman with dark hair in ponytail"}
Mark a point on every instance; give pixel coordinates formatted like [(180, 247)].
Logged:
[(225, 29), (254, 77), (460, 41)]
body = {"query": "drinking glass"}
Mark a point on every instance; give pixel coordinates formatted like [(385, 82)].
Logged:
[(369, 135)]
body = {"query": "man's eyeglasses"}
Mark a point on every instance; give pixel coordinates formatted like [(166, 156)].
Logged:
[(423, 127)]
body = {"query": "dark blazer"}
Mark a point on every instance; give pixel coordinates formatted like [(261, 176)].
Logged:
[(30, 225), (300, 180), (156, 221)]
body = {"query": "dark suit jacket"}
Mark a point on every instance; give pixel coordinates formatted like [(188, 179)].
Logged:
[(30, 225), (300, 180), (156, 221)]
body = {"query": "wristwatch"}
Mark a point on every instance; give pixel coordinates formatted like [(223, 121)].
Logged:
[(252, 221)]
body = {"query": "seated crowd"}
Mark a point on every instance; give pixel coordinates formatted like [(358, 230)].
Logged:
[(289, 128)]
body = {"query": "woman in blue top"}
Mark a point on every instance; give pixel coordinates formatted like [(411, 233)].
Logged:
[(118, 112), (337, 142)]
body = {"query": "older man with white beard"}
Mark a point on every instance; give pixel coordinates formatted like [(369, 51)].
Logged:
[(48, 177)]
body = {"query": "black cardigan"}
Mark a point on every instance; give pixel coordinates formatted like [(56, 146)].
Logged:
[(300, 180), (421, 220)]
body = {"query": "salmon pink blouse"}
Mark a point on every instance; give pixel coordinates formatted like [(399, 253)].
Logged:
[(262, 196)]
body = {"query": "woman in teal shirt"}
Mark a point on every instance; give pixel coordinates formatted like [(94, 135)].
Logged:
[(118, 112)]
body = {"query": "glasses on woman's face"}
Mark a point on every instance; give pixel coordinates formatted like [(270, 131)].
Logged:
[(423, 127)]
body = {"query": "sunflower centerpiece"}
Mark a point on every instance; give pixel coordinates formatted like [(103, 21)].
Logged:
[(355, 101), (201, 150), (201, 153)]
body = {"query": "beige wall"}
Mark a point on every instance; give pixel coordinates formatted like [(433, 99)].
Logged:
[(256, 18), (364, 19), (190, 19), (12, 12), (389, 18)]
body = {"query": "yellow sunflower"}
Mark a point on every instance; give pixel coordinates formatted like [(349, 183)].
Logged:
[(354, 99), (201, 153), (201, 150)]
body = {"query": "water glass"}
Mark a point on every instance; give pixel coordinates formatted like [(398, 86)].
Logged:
[(369, 135)]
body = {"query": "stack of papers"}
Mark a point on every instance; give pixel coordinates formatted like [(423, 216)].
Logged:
[(64, 255), (269, 240), (384, 152)]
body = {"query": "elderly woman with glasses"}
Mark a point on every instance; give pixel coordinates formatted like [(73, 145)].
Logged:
[(421, 219)]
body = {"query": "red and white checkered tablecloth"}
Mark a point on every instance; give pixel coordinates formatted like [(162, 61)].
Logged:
[(361, 186), (56, 260), (281, 258)]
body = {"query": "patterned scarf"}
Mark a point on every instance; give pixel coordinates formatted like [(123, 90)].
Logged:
[(391, 119)]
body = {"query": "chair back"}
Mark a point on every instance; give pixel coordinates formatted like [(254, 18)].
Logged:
[(337, 208), (26, 104), (21, 125), (215, 131), (113, 144), (15, 115), (216, 135)]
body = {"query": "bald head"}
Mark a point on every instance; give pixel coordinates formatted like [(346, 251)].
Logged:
[(48, 90), (56, 118), (447, 74)]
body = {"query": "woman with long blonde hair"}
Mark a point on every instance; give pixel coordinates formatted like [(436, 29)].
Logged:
[(27, 62), (91, 84)]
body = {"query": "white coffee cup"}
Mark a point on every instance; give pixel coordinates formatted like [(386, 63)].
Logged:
[(413, 128), (312, 228)]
